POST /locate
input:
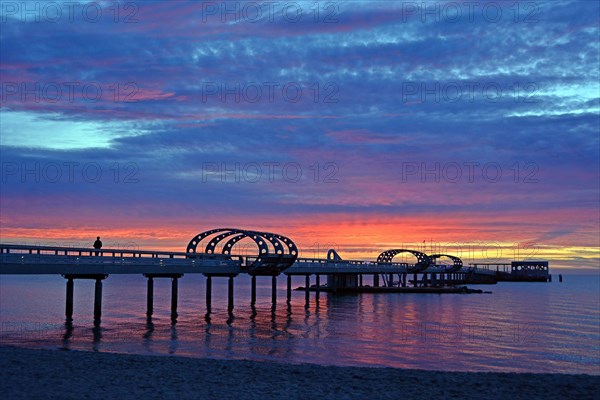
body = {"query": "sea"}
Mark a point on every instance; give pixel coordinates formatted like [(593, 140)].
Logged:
[(533, 327)]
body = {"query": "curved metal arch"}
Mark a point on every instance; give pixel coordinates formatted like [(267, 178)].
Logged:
[(423, 260), (193, 244), (231, 242), (332, 255), (263, 248), (288, 244), (284, 252), (212, 244), (278, 246), (457, 262)]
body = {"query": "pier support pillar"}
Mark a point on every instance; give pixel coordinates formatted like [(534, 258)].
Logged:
[(97, 295), (360, 281), (289, 288), (98, 300), (391, 280), (319, 285), (414, 280), (253, 291), (230, 294), (376, 280), (274, 291), (69, 303), (425, 280), (174, 295), (307, 289), (208, 292), (150, 297)]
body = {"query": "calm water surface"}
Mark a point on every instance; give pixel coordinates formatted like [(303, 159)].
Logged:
[(519, 327)]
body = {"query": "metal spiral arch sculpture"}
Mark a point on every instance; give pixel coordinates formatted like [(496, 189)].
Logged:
[(423, 260), (281, 254), (457, 262)]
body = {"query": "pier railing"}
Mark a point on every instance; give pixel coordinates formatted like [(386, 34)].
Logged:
[(46, 259), (492, 267), (121, 253)]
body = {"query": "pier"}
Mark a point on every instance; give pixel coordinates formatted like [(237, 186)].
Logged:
[(211, 254)]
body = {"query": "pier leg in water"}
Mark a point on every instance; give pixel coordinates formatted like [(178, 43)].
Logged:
[(230, 295), (174, 294), (98, 301), (208, 292), (376, 280), (360, 283), (391, 280), (150, 297), (253, 291), (69, 303), (425, 280), (274, 291), (289, 288), (319, 285), (415, 280), (307, 289)]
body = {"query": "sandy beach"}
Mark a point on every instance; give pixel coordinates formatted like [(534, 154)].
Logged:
[(57, 374)]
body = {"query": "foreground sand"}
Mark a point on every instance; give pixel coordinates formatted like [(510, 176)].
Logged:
[(55, 374)]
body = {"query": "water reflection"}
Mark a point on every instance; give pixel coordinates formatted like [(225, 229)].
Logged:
[(173, 345), (97, 336), (541, 327), (149, 332), (66, 339)]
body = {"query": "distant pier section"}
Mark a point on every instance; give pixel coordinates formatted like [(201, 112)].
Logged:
[(518, 271)]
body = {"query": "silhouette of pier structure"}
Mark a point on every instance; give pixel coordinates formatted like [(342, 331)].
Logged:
[(212, 254)]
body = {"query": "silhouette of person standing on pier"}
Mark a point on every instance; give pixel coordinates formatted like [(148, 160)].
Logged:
[(97, 244)]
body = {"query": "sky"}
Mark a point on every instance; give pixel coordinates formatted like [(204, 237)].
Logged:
[(468, 128)]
